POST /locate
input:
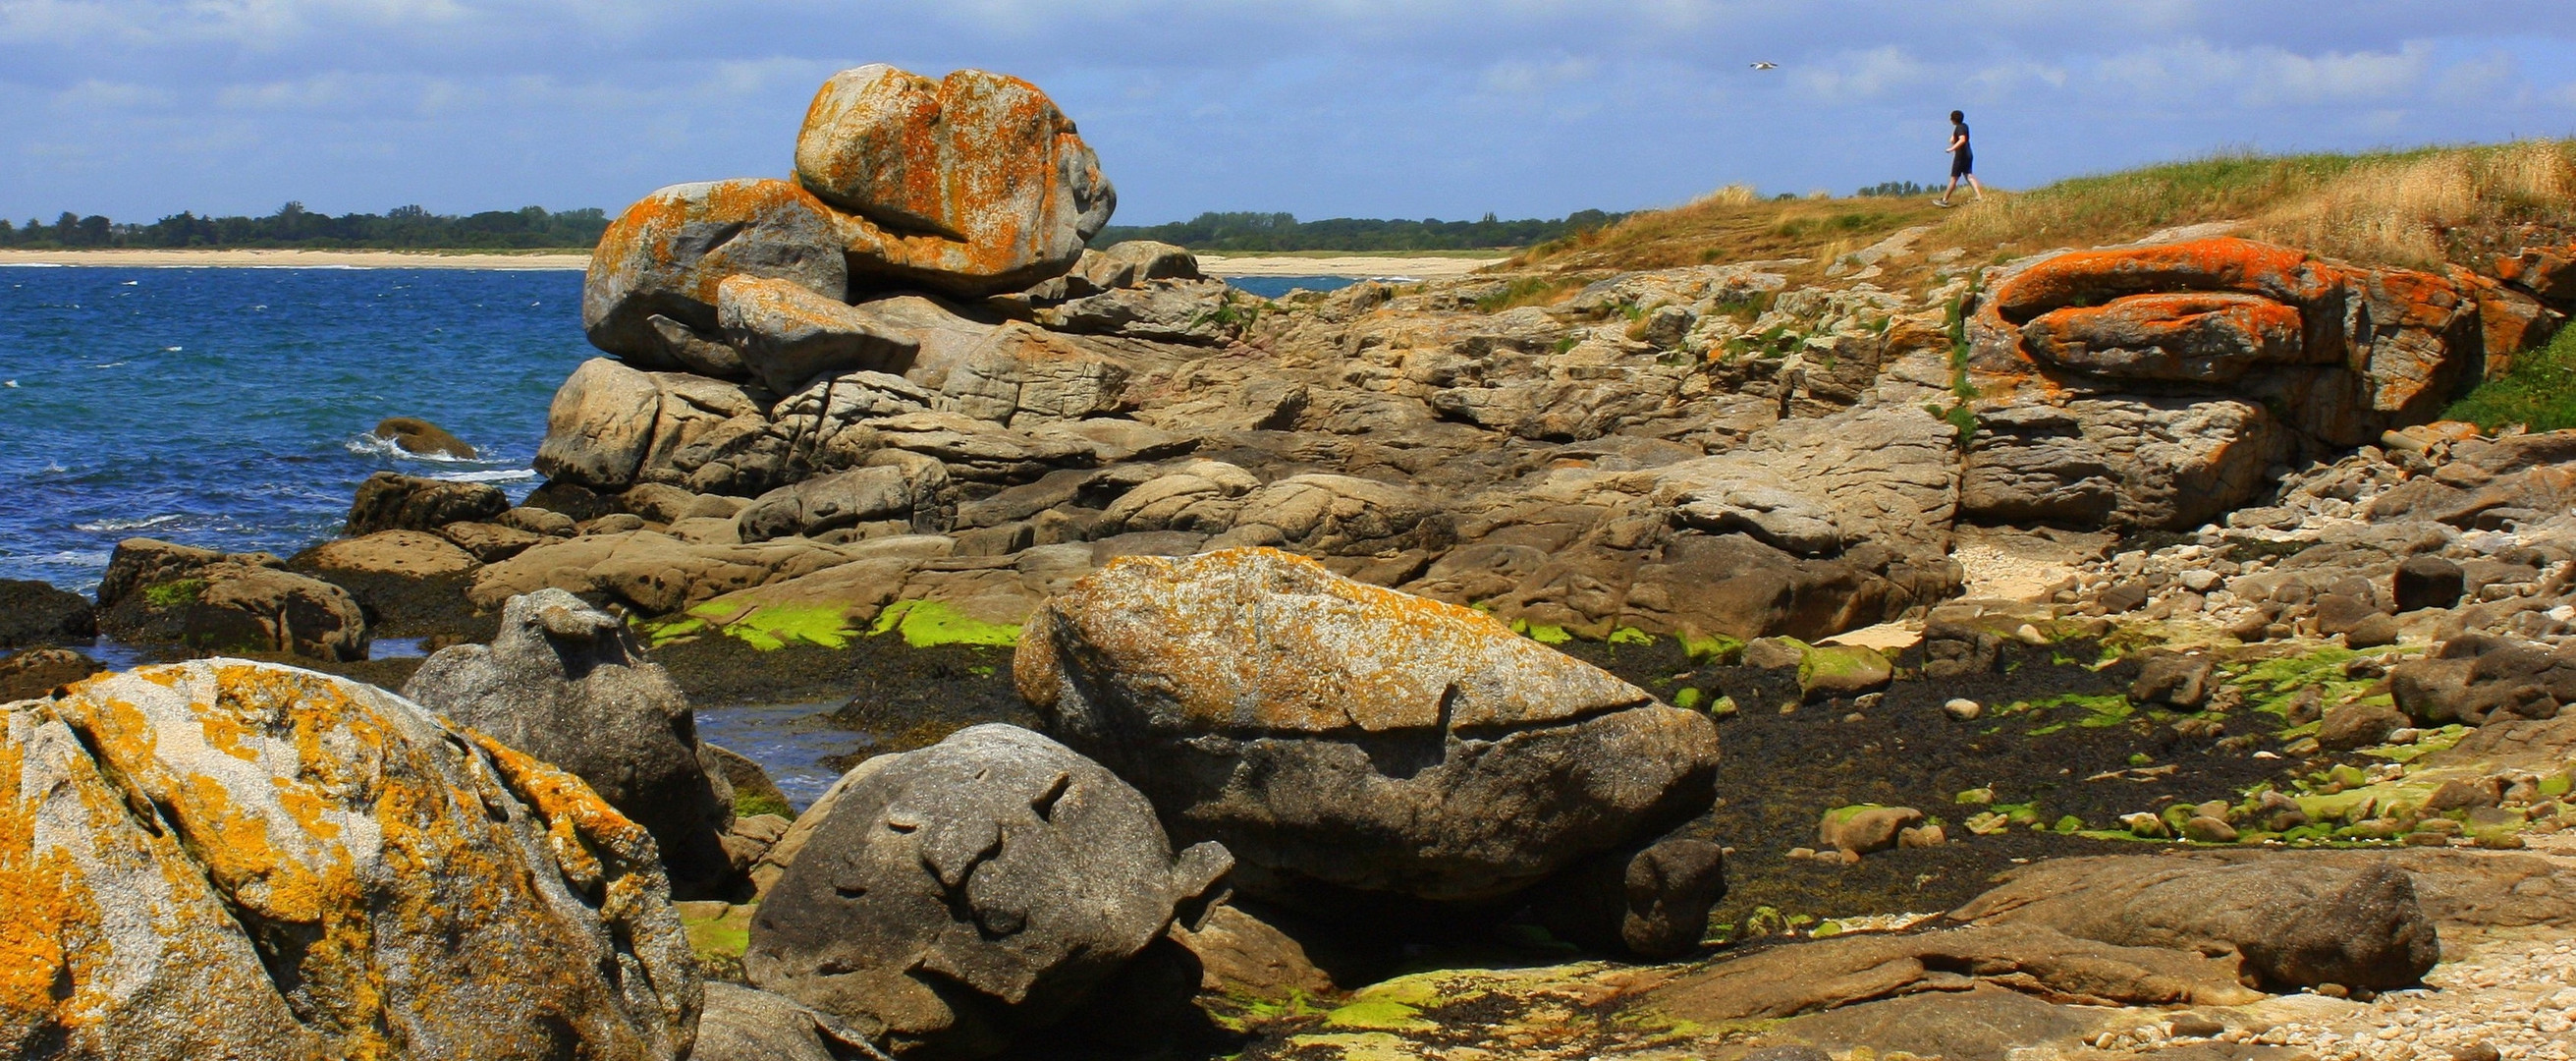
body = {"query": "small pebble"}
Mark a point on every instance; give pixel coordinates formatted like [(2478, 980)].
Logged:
[(1964, 709)]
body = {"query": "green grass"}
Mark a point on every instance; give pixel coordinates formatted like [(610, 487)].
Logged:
[(174, 594), (2539, 392)]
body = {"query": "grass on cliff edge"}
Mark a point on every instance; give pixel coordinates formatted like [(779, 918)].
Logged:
[(2414, 208), (2539, 392)]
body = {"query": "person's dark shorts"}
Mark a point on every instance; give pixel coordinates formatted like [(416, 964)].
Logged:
[(1963, 163)]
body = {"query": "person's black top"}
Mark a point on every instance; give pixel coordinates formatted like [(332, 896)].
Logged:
[(1959, 131)]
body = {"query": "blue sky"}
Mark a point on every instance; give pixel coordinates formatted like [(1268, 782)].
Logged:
[(139, 108)]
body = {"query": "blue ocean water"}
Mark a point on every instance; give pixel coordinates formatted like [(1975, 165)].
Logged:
[(1275, 286), (229, 408)]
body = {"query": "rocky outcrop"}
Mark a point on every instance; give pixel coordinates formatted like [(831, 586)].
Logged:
[(566, 682), (974, 184), (2292, 926), (226, 602), (2347, 351), (35, 613), (224, 859), (421, 438), (1337, 734), (391, 501), (954, 897)]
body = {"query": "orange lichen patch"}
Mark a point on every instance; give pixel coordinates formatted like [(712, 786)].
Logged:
[(974, 178), (2198, 335), (2549, 272), (48, 912), (668, 252), (2088, 278), (1257, 640)]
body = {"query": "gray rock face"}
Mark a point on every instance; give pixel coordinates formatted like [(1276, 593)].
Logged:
[(1336, 734), (565, 682), (1193, 311), (391, 501), (915, 494), (666, 256), (741, 1024), (956, 896), (1777, 518), (1651, 900), (2118, 460), (2294, 925), (788, 334)]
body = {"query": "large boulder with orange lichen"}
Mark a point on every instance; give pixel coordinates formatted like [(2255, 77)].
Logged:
[(665, 257), (1340, 737), (2345, 351), (975, 184), (229, 859)]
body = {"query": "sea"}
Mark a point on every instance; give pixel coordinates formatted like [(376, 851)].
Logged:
[(232, 408)]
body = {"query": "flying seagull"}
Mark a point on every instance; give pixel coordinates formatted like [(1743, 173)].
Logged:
[(1766, 66)]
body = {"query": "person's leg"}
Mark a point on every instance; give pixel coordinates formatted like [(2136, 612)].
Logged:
[(1980, 189), (1944, 200)]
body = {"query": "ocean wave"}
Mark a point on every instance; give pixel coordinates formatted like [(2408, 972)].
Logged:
[(498, 475), (372, 445), (105, 526), (111, 364)]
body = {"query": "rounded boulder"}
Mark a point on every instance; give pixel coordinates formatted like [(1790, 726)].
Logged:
[(1336, 734), (954, 897), (666, 255), (975, 184), (567, 683)]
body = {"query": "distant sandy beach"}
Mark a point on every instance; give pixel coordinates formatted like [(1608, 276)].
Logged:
[(293, 259), (1356, 265)]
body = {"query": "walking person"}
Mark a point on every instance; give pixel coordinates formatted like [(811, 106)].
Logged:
[(1963, 161)]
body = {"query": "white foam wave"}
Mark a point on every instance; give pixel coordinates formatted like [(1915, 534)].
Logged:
[(111, 364), (380, 446), (110, 525), (498, 475)]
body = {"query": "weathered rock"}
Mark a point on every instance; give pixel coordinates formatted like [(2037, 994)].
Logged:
[(1865, 829), (599, 425), (974, 185), (668, 253), (788, 334), (2120, 460), (1023, 373), (1649, 899), (1335, 733), (421, 438), (1240, 956), (403, 553), (565, 682), (2428, 582), (1130, 263), (391, 501), (1338, 515), (35, 673), (2351, 726), (1187, 311), (35, 613), (2174, 680), (229, 607), (1825, 974), (2349, 351), (1826, 671), (269, 900), (742, 1024), (2292, 925), (914, 494), (1778, 518), (970, 891)]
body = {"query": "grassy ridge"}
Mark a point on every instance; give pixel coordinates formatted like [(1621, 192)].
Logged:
[(2539, 392), (2417, 208)]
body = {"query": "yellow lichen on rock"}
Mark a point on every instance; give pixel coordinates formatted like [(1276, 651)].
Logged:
[(339, 873)]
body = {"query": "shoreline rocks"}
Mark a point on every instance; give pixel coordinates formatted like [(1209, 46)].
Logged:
[(1338, 734)]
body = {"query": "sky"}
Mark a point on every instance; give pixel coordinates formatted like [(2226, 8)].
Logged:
[(1322, 108)]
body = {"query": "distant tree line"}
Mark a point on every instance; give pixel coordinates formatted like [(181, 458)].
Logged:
[(401, 228), (1283, 232), (1886, 188)]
